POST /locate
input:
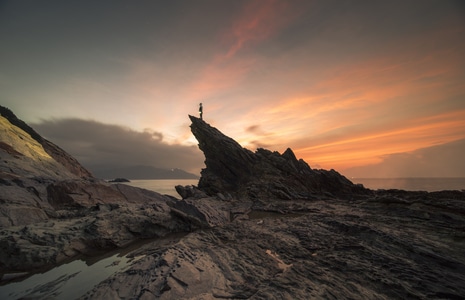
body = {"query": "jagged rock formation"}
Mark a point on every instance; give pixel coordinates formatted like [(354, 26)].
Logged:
[(233, 169)]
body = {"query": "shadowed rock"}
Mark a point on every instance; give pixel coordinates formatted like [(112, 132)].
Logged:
[(263, 174)]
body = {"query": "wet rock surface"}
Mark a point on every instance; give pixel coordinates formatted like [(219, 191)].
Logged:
[(259, 225), (334, 249), (87, 225)]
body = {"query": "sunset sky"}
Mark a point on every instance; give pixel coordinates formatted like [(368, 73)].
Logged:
[(368, 88)]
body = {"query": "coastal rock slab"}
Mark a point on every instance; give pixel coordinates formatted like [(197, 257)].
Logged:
[(334, 249)]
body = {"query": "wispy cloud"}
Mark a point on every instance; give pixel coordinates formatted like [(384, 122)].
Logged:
[(355, 113), (369, 146), (443, 160), (257, 22)]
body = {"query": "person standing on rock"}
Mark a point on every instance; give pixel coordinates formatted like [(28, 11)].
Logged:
[(201, 111)]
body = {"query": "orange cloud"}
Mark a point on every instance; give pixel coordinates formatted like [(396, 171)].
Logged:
[(355, 114), (258, 21), (369, 147), (357, 97)]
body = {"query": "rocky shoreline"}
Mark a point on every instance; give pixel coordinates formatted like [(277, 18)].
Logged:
[(324, 249), (259, 225)]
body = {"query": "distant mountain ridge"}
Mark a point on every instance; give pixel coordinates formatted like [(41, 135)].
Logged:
[(141, 172)]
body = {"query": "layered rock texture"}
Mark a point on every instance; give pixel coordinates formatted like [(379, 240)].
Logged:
[(241, 173), (40, 155), (53, 209), (259, 225)]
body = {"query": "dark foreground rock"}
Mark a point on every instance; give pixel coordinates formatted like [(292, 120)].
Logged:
[(376, 248)]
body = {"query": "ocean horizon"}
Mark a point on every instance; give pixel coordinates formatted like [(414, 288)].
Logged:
[(162, 186), (429, 184)]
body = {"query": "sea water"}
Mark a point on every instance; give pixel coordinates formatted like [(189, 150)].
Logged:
[(163, 186), (413, 184), (73, 279), (166, 186), (67, 281)]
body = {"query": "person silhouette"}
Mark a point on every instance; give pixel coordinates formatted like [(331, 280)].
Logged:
[(201, 111)]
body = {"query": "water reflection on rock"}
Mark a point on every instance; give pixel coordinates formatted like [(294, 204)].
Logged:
[(67, 281)]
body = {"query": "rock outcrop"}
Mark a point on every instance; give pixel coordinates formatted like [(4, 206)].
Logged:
[(232, 169), (53, 209), (55, 152)]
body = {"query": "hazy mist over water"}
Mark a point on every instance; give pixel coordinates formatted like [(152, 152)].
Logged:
[(166, 186), (163, 186), (413, 184)]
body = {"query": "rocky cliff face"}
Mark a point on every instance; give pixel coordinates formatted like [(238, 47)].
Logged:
[(242, 173), (29, 163), (56, 153)]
